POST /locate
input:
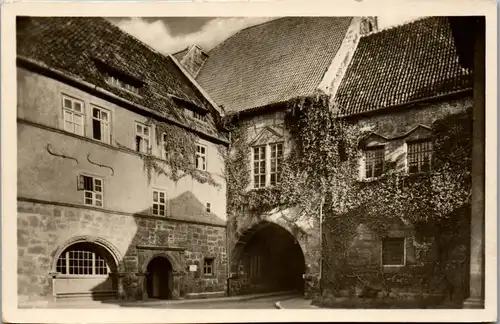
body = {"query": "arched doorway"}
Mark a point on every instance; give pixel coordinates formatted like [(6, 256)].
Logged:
[(269, 258), (85, 269), (159, 279)]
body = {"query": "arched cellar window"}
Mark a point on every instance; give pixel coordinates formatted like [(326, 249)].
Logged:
[(84, 259)]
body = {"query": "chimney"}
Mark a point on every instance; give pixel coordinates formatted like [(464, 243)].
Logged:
[(368, 25), (193, 60)]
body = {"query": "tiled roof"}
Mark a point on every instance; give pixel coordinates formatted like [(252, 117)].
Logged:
[(272, 62), (410, 62), (179, 55), (75, 46)]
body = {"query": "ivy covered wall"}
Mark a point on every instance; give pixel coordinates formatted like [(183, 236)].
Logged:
[(320, 179)]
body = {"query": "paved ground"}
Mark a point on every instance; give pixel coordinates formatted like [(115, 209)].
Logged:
[(295, 303), (257, 301)]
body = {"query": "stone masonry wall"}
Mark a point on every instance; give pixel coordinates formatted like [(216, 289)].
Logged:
[(44, 229)]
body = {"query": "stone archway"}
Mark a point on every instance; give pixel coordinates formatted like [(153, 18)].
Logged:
[(266, 258), (85, 267), (159, 279)]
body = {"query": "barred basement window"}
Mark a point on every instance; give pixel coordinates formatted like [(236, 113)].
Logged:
[(208, 266), (73, 115), (393, 251), (100, 124), (93, 190), (82, 259), (276, 161), (159, 203), (142, 138), (201, 157), (419, 156), (374, 162), (259, 166)]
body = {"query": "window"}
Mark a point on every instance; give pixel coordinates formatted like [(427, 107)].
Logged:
[(374, 162), (121, 83), (82, 259), (393, 251), (164, 146), (199, 116), (93, 190), (100, 124), (259, 167), (73, 115), (276, 161), (208, 207), (201, 157), (208, 266), (142, 135), (159, 203), (419, 156)]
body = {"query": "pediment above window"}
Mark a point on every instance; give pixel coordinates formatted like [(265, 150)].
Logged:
[(421, 132), (372, 140), (268, 135)]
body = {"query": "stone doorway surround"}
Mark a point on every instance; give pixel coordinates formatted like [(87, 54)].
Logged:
[(174, 255)]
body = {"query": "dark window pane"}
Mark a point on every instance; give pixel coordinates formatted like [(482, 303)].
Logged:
[(96, 128), (393, 251)]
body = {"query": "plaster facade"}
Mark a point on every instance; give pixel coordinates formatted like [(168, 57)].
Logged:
[(52, 210)]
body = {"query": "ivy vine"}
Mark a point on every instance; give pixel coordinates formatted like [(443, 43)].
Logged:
[(321, 169)]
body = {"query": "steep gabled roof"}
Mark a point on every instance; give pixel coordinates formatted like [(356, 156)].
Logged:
[(410, 62), (81, 47), (272, 62)]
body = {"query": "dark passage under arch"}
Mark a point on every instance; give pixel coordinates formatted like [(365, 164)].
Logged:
[(268, 258), (159, 278)]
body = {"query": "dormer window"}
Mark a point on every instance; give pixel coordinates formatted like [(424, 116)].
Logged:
[(115, 77), (199, 116), (122, 84)]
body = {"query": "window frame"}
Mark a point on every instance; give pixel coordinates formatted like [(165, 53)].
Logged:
[(366, 150), (66, 264), (107, 140), (201, 117), (117, 82), (212, 267), (93, 193), (382, 252), (260, 160), (73, 112), (163, 148), (143, 137), (430, 151), (165, 204), (278, 160), (202, 155)]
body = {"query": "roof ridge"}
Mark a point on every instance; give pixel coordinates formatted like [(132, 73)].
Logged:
[(404, 24), (241, 30), (135, 38)]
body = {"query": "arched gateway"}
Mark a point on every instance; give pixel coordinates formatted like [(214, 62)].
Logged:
[(267, 258), (159, 282)]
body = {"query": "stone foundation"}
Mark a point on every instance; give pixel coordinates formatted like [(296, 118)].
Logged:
[(45, 230)]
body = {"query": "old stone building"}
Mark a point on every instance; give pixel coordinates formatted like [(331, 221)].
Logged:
[(124, 187), (253, 75), (394, 84), (399, 101), (104, 126)]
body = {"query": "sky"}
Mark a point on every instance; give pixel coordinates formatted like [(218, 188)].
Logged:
[(173, 34)]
